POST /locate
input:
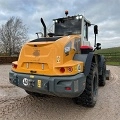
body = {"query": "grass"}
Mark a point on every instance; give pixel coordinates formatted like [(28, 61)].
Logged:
[(113, 63), (110, 50), (112, 55)]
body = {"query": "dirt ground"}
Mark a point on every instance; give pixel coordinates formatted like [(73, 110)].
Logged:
[(15, 104)]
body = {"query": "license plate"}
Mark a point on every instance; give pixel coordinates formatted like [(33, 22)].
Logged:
[(39, 83)]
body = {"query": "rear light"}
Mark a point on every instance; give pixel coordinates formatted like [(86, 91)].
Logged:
[(67, 88), (70, 69), (14, 65), (62, 69)]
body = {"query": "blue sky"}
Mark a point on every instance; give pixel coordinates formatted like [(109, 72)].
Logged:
[(104, 13)]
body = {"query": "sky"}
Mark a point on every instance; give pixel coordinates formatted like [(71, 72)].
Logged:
[(104, 13)]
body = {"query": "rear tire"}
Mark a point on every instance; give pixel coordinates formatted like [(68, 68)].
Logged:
[(102, 78), (89, 97), (34, 94)]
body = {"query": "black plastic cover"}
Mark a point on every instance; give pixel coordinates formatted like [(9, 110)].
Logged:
[(46, 39)]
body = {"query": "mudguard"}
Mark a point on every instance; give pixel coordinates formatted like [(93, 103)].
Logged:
[(87, 59), (101, 60), (88, 63)]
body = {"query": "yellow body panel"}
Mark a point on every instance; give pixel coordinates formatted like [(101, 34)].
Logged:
[(46, 58)]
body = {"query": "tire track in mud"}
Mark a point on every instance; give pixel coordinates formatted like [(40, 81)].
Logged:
[(10, 105), (7, 86)]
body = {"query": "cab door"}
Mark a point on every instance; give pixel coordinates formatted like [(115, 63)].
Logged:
[(85, 34)]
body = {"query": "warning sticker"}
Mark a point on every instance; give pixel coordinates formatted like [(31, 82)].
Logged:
[(78, 67), (58, 59)]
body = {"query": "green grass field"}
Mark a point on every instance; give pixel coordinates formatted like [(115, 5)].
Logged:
[(109, 50), (113, 63), (112, 55)]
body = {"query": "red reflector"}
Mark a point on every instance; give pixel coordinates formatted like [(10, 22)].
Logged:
[(67, 88), (14, 66), (70, 69), (62, 70)]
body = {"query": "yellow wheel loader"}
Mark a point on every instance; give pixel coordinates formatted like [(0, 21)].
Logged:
[(62, 63)]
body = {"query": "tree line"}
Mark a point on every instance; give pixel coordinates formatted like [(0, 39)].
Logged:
[(13, 35)]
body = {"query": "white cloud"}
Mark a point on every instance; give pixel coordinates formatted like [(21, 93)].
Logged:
[(104, 13)]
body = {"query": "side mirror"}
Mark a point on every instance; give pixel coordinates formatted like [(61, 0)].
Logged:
[(95, 29), (98, 46)]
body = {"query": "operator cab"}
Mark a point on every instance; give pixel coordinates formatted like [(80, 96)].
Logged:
[(74, 25), (71, 25)]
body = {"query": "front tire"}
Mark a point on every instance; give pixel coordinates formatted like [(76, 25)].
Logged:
[(89, 97)]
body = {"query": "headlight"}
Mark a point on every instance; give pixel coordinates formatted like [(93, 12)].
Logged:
[(79, 17), (55, 21), (68, 47)]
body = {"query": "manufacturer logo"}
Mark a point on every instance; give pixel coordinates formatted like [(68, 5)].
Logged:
[(25, 81), (36, 53)]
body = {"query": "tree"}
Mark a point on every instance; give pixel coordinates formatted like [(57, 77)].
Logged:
[(12, 35)]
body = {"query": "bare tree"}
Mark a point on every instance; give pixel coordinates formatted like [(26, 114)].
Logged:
[(12, 35)]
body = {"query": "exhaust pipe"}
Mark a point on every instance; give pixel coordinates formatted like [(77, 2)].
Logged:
[(43, 23)]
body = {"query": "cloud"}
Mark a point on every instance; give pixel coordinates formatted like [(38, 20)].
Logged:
[(103, 13)]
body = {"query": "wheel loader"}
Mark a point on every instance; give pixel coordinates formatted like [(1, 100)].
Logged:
[(62, 63)]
